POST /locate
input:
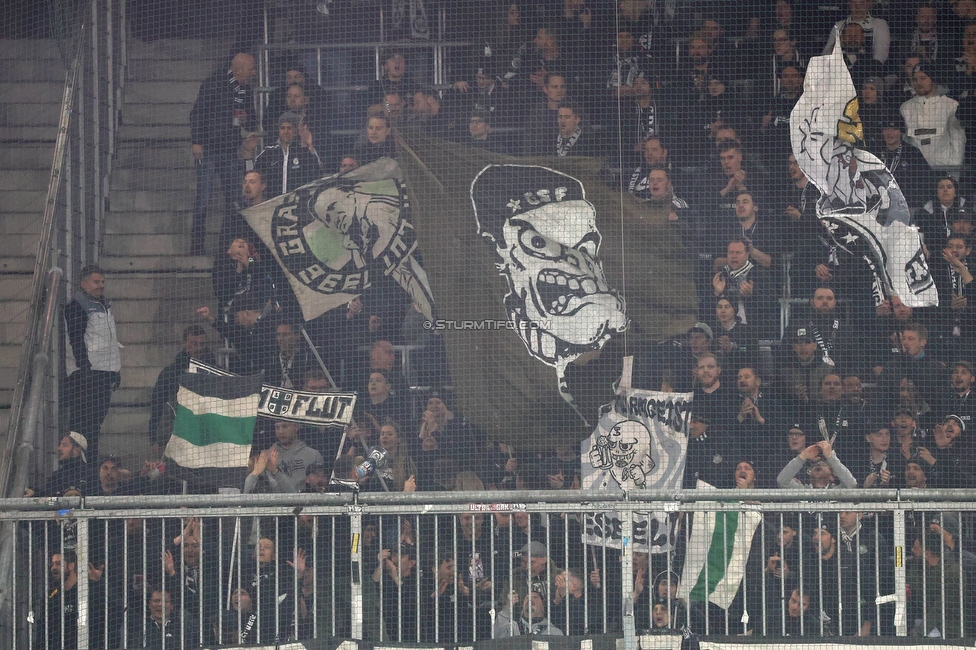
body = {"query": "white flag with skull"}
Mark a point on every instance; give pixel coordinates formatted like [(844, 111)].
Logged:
[(861, 205), (639, 444)]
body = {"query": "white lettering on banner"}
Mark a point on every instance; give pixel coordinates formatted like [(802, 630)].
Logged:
[(639, 444)]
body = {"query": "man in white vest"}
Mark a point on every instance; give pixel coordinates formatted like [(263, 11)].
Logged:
[(95, 346)]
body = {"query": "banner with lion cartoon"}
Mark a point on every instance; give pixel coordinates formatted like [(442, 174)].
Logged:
[(638, 444)]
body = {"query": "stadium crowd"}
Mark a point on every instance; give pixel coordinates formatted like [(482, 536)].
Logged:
[(690, 113)]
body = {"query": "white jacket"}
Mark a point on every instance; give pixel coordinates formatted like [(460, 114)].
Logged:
[(932, 126)]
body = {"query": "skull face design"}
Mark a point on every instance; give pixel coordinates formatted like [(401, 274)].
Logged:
[(624, 452), (545, 235)]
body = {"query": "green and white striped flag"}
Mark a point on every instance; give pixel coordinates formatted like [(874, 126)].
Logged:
[(214, 424), (718, 550)]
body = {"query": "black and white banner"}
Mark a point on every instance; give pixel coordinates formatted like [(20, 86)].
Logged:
[(639, 444), (318, 409)]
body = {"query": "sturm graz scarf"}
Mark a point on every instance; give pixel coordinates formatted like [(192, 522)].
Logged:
[(563, 145), (734, 280)]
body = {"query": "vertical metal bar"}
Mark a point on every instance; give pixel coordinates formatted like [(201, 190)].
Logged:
[(380, 586), (82, 149), (901, 598), (437, 593), (356, 589), (457, 570), (332, 564), (277, 577), (944, 605), (126, 582), (627, 579), (110, 76), (418, 544), (961, 586), (83, 587), (315, 578), (145, 577), (318, 64), (96, 135)]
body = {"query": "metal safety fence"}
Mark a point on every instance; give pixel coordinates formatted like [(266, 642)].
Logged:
[(464, 568)]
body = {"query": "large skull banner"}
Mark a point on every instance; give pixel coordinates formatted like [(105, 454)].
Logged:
[(547, 244)]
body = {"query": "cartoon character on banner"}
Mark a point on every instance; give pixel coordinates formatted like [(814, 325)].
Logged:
[(625, 453)]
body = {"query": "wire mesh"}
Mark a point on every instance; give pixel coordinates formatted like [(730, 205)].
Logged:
[(360, 246)]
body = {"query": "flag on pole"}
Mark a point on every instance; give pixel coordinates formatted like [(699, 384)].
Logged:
[(861, 205), (718, 550), (214, 425)]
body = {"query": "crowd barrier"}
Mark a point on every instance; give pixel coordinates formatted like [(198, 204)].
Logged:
[(463, 566)]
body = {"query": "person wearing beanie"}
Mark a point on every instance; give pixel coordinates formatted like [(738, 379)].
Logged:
[(73, 469)]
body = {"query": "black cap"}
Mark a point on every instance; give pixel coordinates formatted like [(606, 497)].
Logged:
[(801, 334), (315, 467), (893, 120), (482, 114), (500, 192)]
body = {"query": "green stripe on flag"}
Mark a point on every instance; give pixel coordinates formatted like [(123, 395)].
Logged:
[(209, 428), (719, 553)]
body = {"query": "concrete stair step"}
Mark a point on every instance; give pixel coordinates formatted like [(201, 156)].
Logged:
[(29, 48), (9, 358), (42, 92), (14, 311), (139, 286), (149, 201), (4, 422), (141, 378), (15, 287), (134, 333), (151, 309), (18, 245), (32, 69), (132, 394), (153, 114), (180, 132), (24, 200), (12, 332), (162, 223), (135, 245), (129, 421), (146, 356), (32, 133), (160, 92), (182, 180), (26, 179), (20, 223), (13, 115), (179, 49), (154, 155), (27, 156), (153, 70), (155, 263), (22, 264)]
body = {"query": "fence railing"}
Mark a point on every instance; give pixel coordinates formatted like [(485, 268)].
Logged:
[(463, 568), (70, 231)]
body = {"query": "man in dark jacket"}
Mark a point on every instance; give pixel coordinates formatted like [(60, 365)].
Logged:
[(290, 162), (224, 109), (162, 402), (73, 469)]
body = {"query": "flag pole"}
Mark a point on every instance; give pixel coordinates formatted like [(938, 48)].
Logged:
[(318, 358)]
